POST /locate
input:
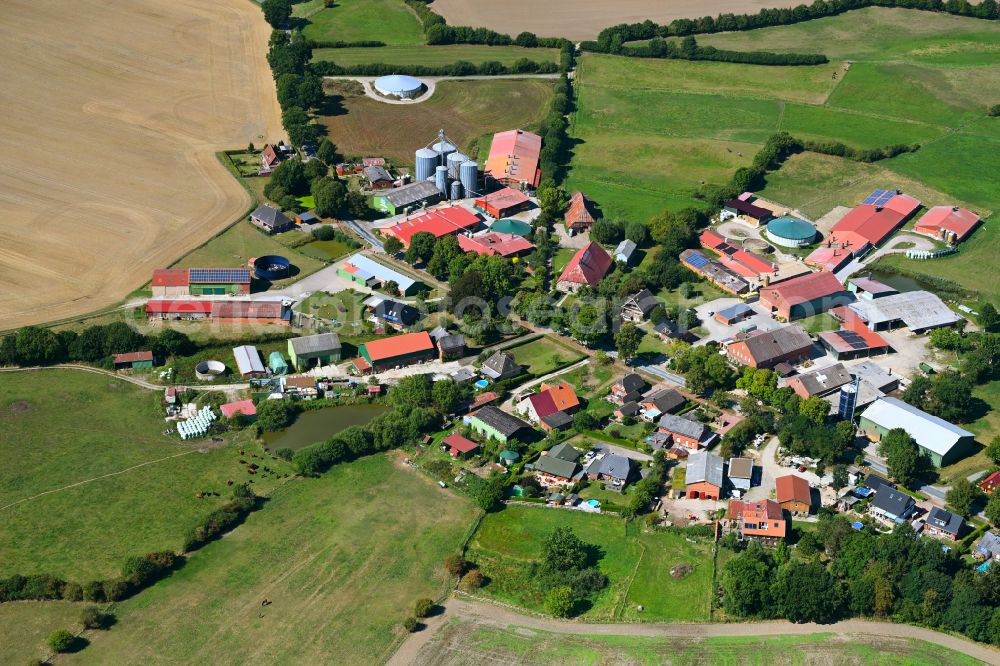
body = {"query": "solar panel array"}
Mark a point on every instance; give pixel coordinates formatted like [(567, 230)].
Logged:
[(853, 339), (697, 260), (880, 197), (219, 275)]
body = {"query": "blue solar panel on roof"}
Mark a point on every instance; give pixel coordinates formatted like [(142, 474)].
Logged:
[(219, 275), (697, 260), (884, 199), (875, 196)]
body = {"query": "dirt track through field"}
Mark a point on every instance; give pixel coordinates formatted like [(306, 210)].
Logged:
[(583, 19), (412, 650), (113, 112)]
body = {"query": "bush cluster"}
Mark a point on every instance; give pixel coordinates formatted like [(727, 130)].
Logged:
[(322, 44), (223, 519)]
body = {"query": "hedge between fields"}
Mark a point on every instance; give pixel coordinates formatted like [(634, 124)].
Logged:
[(138, 571), (459, 68), (689, 50), (614, 37), (778, 148)]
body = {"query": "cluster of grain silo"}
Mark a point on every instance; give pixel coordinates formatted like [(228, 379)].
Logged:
[(454, 174)]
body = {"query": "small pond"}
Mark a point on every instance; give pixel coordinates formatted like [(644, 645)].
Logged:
[(899, 282), (321, 424)]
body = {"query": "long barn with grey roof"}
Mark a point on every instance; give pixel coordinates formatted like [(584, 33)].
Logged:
[(943, 442)]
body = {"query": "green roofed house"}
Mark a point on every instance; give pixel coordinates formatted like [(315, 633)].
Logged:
[(944, 443), (497, 424), (311, 350)]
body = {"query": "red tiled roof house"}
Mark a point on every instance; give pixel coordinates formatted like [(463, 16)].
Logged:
[(591, 263)]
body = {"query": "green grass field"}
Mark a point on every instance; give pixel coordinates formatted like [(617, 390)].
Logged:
[(238, 244), (387, 21), (432, 56), (544, 355), (914, 77), (341, 564), (468, 111), (340, 580), (65, 427), (464, 642), (638, 564), (875, 33), (24, 626)]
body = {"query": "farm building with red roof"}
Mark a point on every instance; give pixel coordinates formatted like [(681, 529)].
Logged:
[(578, 217), (513, 158), (138, 359), (947, 223), (503, 203), (178, 309), (439, 222), (505, 245), (804, 296), (459, 446), (169, 282), (251, 312), (793, 493), (743, 263), (398, 351), (864, 227), (591, 263)]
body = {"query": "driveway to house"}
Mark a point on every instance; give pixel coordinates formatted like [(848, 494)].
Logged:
[(455, 608), (516, 394), (771, 470)]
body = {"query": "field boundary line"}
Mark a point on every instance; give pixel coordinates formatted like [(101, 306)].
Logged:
[(621, 607), (97, 478)]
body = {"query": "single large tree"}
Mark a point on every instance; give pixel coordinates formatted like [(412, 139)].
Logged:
[(627, 341), (276, 12)]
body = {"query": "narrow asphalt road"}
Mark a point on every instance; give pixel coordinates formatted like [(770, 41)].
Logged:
[(488, 614)]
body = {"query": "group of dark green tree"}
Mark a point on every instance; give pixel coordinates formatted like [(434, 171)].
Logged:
[(34, 345), (418, 407), (838, 572)]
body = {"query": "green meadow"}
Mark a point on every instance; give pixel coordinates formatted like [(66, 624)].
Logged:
[(387, 21), (87, 478)]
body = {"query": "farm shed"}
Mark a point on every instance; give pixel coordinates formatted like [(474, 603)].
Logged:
[(139, 359), (370, 273), (310, 350), (248, 362), (504, 202), (407, 197), (513, 158), (438, 222), (943, 442), (804, 296), (398, 351), (950, 224)]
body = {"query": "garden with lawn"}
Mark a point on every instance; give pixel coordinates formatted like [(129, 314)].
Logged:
[(387, 21), (544, 355), (669, 574)]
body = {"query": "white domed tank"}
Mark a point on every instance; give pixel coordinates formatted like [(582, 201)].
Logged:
[(398, 85), (426, 160), (455, 161), (469, 175), (441, 179), (456, 190)]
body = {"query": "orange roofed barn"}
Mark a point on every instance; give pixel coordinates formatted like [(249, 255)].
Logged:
[(948, 223), (513, 158), (591, 263), (578, 217), (762, 520), (397, 351), (805, 296), (792, 493)]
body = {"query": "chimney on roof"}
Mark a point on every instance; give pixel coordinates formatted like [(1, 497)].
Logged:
[(955, 208)]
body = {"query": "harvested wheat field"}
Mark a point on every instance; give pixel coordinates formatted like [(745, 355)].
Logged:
[(113, 112), (583, 19)]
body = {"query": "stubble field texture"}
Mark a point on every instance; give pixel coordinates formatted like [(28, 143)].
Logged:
[(111, 125)]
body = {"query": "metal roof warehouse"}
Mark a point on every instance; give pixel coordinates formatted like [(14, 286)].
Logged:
[(939, 439)]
